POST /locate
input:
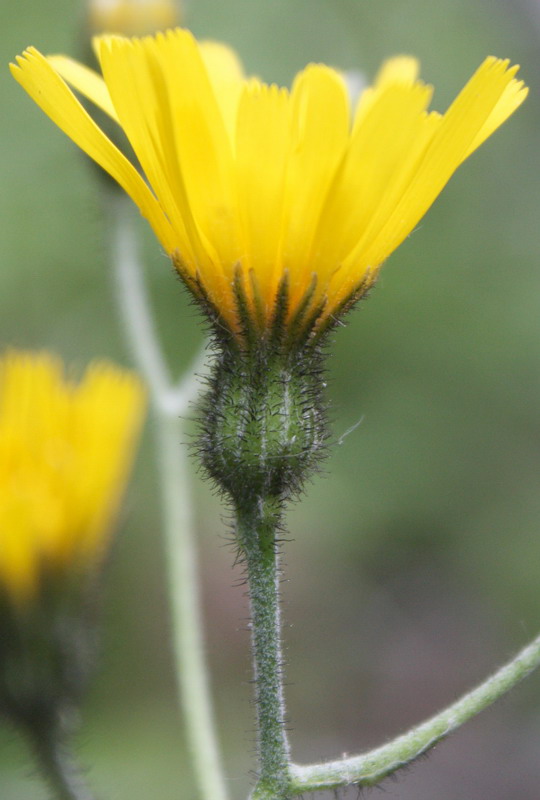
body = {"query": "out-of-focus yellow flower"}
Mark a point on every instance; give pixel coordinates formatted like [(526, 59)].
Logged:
[(268, 198), (132, 17), (65, 453)]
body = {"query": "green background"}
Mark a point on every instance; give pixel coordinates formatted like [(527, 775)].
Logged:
[(414, 568)]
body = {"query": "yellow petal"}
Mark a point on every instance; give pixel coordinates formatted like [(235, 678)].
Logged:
[(226, 75), (512, 97), (400, 69), (319, 136), (262, 143), (180, 160), (384, 148), (203, 148), (65, 452), (86, 81), (52, 95), (142, 113), (454, 139)]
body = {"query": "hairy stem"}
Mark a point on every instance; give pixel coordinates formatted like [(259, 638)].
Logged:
[(369, 768), (257, 540), (59, 768), (169, 403)]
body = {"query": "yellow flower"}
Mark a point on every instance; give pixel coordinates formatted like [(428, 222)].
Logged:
[(65, 454), (132, 17), (270, 201)]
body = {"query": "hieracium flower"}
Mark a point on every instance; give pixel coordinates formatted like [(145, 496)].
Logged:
[(65, 453), (288, 198), (277, 207)]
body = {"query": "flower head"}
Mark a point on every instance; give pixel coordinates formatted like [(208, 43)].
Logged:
[(65, 453), (274, 204), (132, 17)]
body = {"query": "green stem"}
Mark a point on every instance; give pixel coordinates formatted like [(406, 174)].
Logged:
[(59, 769), (371, 767), (169, 404), (257, 540)]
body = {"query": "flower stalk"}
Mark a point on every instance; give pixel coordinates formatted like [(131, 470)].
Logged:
[(263, 427), (60, 769), (256, 534), (170, 403)]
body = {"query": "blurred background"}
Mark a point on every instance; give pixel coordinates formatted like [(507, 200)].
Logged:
[(414, 565)]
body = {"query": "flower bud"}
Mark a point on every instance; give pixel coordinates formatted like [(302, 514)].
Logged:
[(263, 421)]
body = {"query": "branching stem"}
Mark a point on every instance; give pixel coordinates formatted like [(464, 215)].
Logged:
[(370, 768), (257, 522), (170, 403)]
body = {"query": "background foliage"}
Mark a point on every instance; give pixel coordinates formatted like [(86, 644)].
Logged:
[(415, 560)]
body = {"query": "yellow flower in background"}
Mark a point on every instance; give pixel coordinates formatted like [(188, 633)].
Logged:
[(132, 17), (66, 450), (269, 200)]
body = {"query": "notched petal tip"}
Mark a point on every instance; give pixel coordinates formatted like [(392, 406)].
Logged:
[(22, 59), (26, 66)]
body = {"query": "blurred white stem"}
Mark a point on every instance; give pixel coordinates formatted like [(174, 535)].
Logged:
[(356, 82), (170, 403)]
